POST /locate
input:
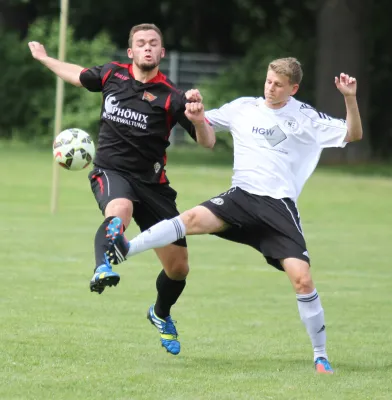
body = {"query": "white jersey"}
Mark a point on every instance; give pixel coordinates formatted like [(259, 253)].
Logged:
[(276, 151)]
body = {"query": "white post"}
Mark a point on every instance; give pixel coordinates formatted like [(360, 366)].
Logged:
[(59, 101)]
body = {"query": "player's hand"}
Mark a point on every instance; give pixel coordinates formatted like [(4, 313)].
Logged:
[(194, 95), (347, 85), (37, 51), (195, 112)]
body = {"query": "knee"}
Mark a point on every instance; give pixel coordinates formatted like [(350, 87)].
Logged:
[(190, 219), (177, 270), (120, 208), (303, 283)]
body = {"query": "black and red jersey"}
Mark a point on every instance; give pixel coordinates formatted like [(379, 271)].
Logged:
[(136, 120)]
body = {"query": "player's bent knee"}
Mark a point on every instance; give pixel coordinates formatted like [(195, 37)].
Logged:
[(122, 208), (303, 283), (299, 274), (177, 270), (200, 220), (174, 260)]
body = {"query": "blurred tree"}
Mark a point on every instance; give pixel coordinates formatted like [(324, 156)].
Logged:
[(352, 35), (380, 132), (247, 76), (30, 87), (14, 15), (343, 45), (229, 27)]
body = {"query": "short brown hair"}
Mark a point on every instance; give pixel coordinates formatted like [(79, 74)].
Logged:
[(290, 67), (144, 27)]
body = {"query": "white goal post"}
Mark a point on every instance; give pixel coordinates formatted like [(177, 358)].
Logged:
[(59, 100)]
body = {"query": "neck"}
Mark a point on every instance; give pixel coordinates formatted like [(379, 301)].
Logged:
[(144, 76), (275, 106)]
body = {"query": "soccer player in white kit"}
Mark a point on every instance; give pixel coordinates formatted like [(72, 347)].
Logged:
[(277, 144)]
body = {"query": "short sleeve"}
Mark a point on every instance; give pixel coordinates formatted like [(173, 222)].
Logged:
[(93, 79), (220, 118), (177, 109), (327, 131)]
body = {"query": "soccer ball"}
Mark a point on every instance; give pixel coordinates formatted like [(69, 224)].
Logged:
[(73, 149)]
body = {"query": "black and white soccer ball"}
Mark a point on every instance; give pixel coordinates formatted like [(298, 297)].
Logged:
[(73, 149)]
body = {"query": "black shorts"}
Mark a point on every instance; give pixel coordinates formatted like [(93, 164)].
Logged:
[(271, 226), (151, 203)]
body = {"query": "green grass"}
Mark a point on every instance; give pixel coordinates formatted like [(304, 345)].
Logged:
[(240, 332)]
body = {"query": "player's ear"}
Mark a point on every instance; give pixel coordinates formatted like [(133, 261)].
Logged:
[(130, 53), (294, 90), (163, 52)]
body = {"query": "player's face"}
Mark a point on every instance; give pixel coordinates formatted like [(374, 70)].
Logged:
[(146, 50), (278, 89)]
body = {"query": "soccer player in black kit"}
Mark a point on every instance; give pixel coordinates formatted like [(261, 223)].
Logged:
[(140, 106)]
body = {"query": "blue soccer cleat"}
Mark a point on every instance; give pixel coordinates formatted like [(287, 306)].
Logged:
[(118, 244), (323, 366), (167, 330), (104, 276)]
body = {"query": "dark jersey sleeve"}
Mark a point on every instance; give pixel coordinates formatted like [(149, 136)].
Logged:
[(93, 79), (178, 109)]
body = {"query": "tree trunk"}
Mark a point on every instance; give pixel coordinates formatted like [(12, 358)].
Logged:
[(16, 16), (343, 46)]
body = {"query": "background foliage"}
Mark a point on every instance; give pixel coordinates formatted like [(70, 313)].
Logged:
[(254, 31)]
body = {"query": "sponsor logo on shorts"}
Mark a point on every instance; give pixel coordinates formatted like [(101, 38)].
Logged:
[(305, 253), (217, 200)]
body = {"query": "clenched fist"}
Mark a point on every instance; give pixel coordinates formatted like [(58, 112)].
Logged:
[(195, 112), (194, 95)]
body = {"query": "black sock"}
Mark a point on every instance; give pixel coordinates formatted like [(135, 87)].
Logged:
[(101, 243), (169, 291)]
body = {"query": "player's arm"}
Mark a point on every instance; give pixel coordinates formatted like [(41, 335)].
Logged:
[(68, 72), (191, 118), (347, 85), (205, 134)]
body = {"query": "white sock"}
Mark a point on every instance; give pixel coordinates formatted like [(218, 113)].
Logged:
[(159, 235), (312, 315)]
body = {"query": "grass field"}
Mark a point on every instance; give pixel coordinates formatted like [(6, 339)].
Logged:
[(239, 328)]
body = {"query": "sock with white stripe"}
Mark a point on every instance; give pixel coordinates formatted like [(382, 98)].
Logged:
[(101, 243), (169, 291), (312, 315), (159, 235)]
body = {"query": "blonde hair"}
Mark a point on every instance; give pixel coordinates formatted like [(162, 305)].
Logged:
[(288, 66), (144, 27)]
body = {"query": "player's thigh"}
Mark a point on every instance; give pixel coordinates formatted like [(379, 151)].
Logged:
[(113, 193), (156, 204), (228, 209), (200, 220), (174, 259)]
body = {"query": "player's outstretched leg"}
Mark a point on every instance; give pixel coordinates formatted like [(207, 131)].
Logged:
[(103, 274), (118, 244), (159, 235), (167, 329)]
